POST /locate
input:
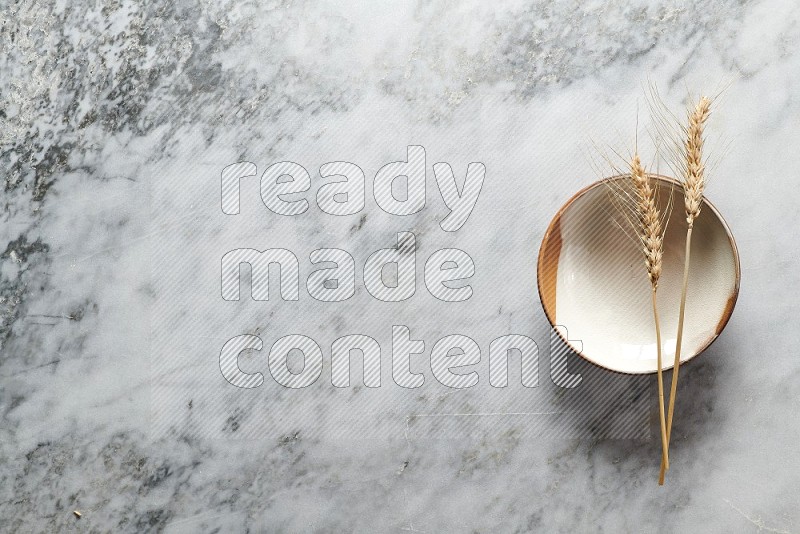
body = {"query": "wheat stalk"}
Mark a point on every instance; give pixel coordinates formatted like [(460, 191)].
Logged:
[(636, 200), (651, 233), (693, 187)]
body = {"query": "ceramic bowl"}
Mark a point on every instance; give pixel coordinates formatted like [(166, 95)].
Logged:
[(592, 280)]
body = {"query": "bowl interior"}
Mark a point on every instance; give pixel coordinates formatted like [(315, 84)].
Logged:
[(593, 280)]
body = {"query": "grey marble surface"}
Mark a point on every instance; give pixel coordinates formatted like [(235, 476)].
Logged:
[(116, 121)]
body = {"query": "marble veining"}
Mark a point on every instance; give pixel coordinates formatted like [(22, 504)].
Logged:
[(116, 120)]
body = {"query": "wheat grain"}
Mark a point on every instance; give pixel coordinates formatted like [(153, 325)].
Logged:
[(650, 227), (695, 180)]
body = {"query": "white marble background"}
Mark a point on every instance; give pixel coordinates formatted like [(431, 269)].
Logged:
[(103, 103)]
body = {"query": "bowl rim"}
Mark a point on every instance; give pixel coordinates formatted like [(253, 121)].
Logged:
[(556, 220)]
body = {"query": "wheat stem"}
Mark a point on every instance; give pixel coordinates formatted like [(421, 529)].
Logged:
[(664, 438), (652, 238), (673, 390), (693, 189)]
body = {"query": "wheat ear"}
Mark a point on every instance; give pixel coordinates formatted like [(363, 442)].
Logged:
[(652, 239), (693, 186)]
